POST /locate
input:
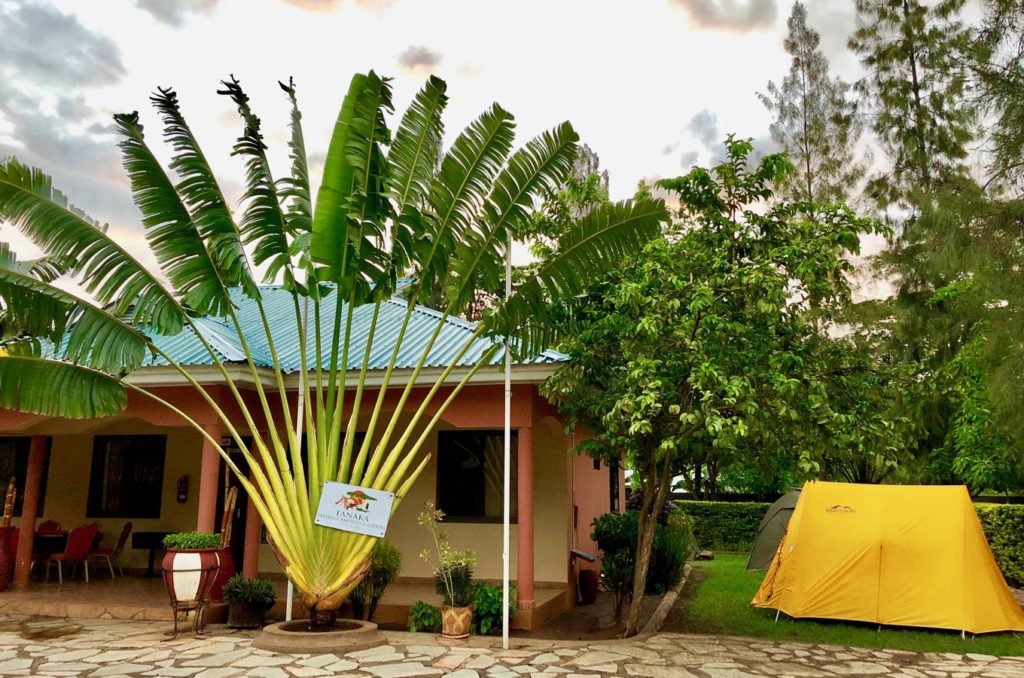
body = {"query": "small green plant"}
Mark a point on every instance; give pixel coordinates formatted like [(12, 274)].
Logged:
[(192, 540), (257, 593), (617, 570), (453, 569), (487, 608), (385, 564), (424, 617)]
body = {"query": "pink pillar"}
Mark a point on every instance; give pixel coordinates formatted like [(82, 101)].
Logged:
[(29, 509), (209, 484), (253, 527), (524, 554)]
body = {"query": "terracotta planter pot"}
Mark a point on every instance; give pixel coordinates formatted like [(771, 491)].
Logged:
[(6, 557), (189, 574), (226, 571), (455, 621)]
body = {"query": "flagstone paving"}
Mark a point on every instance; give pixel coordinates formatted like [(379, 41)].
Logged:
[(41, 646)]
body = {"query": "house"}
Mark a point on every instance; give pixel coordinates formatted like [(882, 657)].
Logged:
[(146, 466)]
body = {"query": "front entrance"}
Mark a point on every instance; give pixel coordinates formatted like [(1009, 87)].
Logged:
[(236, 524)]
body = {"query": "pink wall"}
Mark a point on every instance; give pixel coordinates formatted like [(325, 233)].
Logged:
[(592, 497)]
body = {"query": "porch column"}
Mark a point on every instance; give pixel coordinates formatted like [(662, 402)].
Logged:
[(524, 554), (253, 527), (209, 483), (29, 510)]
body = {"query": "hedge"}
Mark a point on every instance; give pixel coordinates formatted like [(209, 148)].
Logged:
[(1004, 529), (724, 525), (732, 526)]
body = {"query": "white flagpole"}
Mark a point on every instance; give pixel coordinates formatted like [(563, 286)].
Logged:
[(508, 461)]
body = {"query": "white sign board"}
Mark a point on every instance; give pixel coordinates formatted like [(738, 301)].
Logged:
[(362, 510)]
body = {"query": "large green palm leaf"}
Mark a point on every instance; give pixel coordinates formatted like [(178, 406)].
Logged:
[(28, 383), (176, 242), (458, 191), (537, 167), (200, 191), (29, 201)]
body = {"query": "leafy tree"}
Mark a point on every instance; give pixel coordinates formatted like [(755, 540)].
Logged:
[(916, 91), (703, 342), (999, 66), (814, 121), (384, 208)]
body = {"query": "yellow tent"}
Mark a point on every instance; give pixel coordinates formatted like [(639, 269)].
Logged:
[(904, 555)]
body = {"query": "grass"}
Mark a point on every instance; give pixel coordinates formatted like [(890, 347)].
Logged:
[(718, 602)]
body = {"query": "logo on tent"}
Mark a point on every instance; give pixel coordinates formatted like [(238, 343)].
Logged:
[(840, 508)]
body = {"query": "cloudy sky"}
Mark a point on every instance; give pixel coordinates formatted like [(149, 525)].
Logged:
[(651, 85)]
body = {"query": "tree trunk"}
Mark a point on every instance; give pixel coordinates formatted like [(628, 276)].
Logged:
[(655, 493), (321, 619)]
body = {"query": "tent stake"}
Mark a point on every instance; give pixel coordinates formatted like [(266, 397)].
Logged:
[(777, 616)]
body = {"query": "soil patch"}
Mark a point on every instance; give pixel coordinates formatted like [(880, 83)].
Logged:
[(674, 620), (591, 622)]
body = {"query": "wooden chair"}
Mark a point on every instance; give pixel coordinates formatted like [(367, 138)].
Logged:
[(77, 551), (113, 555)]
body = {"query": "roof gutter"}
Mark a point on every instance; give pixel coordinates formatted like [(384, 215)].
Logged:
[(160, 375)]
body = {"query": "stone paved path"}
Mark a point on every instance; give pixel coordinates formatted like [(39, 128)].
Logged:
[(38, 646)]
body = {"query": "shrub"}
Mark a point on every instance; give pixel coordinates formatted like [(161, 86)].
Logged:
[(1004, 528), (487, 608), (192, 540), (257, 593), (424, 617), (385, 564), (673, 546), (617, 571), (724, 525), (616, 533)]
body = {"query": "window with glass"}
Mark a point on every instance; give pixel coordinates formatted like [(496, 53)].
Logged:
[(127, 476), (470, 475)]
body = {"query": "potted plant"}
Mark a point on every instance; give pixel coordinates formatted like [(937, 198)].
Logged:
[(453, 576), (385, 563), (248, 600), (190, 568)]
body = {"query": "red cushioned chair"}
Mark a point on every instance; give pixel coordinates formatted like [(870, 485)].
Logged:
[(77, 551)]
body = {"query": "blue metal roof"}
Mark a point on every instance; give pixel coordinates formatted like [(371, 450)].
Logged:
[(187, 349)]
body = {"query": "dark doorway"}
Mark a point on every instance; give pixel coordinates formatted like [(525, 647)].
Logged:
[(228, 480)]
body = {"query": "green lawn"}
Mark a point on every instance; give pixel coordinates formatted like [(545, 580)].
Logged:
[(720, 604)]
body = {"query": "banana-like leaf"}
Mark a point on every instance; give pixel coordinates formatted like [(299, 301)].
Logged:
[(294, 189), (202, 195), (458, 191), (57, 389), (79, 331), (264, 226), (174, 238), (538, 167), (413, 159), (29, 201), (352, 205), (593, 245)]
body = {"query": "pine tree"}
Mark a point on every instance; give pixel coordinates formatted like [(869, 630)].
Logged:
[(814, 121), (917, 91)]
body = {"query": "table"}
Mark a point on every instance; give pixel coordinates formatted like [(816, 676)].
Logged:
[(49, 543), (151, 541)]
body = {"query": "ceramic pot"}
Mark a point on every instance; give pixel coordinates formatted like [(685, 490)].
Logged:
[(455, 621), (190, 573), (588, 586)]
